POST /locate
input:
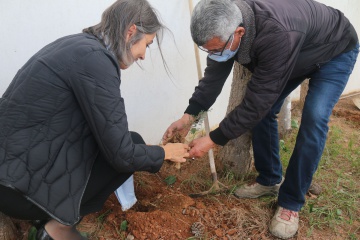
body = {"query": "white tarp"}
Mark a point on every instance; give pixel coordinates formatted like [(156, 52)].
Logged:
[(153, 99)]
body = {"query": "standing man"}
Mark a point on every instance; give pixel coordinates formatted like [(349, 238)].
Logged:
[(282, 42)]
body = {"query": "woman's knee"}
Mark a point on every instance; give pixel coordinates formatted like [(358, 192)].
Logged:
[(14, 204)]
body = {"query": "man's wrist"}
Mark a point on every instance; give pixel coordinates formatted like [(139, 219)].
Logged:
[(188, 118), (194, 109), (218, 137), (213, 144)]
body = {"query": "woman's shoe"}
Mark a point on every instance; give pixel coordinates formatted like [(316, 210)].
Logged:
[(42, 234), (68, 232)]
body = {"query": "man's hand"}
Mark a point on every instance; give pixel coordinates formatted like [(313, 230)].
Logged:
[(180, 127), (199, 147)]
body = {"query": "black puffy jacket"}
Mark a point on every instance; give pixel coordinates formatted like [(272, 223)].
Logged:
[(293, 38), (62, 108)]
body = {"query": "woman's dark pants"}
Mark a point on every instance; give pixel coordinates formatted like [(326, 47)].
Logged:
[(103, 181)]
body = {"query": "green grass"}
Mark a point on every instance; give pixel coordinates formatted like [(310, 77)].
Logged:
[(338, 206)]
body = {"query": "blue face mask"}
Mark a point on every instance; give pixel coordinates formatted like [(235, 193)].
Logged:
[(226, 54)]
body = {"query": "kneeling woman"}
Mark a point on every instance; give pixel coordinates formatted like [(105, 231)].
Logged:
[(64, 139)]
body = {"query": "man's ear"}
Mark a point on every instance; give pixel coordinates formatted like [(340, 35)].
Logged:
[(240, 31), (131, 32)]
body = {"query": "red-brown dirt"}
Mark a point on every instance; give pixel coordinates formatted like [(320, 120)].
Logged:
[(167, 212)]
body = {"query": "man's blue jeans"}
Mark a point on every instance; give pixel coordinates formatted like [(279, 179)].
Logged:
[(325, 88)]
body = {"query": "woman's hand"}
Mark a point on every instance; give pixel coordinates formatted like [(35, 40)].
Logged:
[(180, 127), (176, 152)]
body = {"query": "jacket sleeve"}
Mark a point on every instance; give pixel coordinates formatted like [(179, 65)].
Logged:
[(96, 86), (210, 86), (276, 55)]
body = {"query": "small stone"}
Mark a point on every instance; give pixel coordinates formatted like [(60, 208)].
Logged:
[(184, 212), (130, 237)]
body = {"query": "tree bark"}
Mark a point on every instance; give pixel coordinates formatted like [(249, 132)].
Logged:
[(284, 117), (7, 228), (236, 155), (304, 87)]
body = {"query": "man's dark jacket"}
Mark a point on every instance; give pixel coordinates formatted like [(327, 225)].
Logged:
[(293, 39), (62, 108)]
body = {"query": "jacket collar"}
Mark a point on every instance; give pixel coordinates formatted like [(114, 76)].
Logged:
[(243, 55)]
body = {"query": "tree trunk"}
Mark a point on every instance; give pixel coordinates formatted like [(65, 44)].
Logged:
[(7, 228), (284, 117), (236, 155), (304, 87)]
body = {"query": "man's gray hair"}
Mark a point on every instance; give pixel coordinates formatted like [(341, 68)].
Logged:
[(214, 18), (116, 21)]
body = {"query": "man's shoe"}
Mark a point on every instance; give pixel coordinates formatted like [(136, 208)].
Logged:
[(285, 223), (256, 190)]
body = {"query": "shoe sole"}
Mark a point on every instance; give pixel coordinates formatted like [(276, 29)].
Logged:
[(278, 236)]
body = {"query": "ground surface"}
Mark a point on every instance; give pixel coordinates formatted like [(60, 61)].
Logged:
[(166, 211)]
